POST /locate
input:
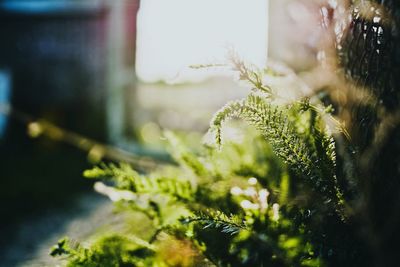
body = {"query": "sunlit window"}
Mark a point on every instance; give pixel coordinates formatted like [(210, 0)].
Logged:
[(174, 34)]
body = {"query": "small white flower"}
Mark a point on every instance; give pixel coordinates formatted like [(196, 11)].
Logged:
[(263, 198), (246, 204), (250, 192), (252, 181), (275, 211), (236, 191), (263, 195)]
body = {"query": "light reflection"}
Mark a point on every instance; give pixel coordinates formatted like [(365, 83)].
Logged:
[(174, 34)]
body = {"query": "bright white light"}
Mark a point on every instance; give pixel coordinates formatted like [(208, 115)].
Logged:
[(173, 34)]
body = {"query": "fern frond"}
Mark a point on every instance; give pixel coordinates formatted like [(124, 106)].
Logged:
[(248, 73), (207, 65), (231, 225), (230, 110), (271, 122), (326, 156), (112, 250), (275, 125), (127, 179)]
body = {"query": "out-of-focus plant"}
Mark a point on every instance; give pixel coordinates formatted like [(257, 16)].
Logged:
[(264, 194)]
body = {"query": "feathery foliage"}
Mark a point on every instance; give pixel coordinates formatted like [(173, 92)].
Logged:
[(314, 159), (269, 198), (228, 224), (127, 179)]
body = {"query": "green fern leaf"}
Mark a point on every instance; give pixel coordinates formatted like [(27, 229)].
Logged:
[(276, 126), (126, 178), (231, 225)]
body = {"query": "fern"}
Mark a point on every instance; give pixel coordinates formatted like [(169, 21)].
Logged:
[(275, 125), (250, 74), (215, 203), (127, 179), (111, 250), (231, 225)]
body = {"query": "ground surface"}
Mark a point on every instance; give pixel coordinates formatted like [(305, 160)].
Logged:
[(35, 237)]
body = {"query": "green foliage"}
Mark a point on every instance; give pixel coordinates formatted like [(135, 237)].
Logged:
[(110, 250), (227, 224), (127, 179), (268, 196), (311, 153)]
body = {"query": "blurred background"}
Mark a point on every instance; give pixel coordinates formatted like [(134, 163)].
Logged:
[(81, 78)]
